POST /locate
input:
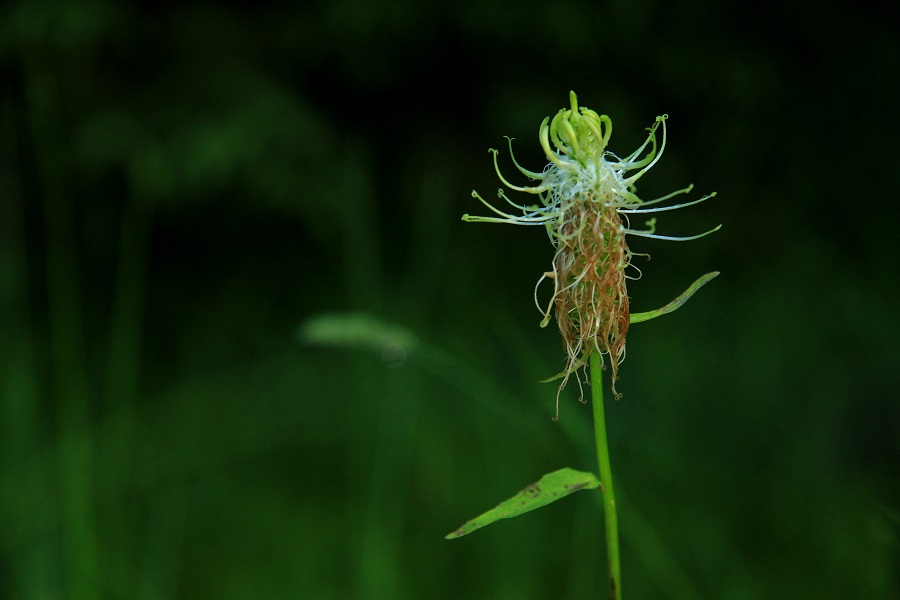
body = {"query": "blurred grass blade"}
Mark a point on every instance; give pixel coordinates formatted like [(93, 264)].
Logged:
[(550, 488), (677, 302), (359, 330)]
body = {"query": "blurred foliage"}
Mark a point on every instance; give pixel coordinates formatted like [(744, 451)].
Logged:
[(184, 184)]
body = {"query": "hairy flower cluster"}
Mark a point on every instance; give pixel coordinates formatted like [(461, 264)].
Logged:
[(586, 195)]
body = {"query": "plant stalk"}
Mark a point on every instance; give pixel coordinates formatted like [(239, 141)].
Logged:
[(606, 480)]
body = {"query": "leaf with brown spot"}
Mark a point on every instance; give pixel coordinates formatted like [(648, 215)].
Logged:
[(550, 488)]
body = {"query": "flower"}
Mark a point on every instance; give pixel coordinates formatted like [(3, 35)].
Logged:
[(587, 195)]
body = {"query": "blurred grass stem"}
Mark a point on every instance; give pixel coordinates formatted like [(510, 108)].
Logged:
[(65, 317)]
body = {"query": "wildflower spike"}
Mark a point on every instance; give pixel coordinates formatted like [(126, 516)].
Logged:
[(586, 195)]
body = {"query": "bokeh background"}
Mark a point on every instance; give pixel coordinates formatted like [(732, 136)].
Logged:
[(249, 350)]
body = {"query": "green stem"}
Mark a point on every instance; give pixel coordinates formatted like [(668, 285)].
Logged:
[(606, 480)]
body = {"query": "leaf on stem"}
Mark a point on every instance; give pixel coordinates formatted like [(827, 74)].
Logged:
[(676, 303), (550, 488)]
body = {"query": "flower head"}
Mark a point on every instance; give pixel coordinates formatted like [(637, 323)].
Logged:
[(587, 194)]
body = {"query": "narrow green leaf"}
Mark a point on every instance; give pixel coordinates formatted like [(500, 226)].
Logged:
[(677, 302), (550, 488), (564, 372)]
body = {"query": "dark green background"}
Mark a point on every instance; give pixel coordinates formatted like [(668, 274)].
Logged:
[(184, 185)]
